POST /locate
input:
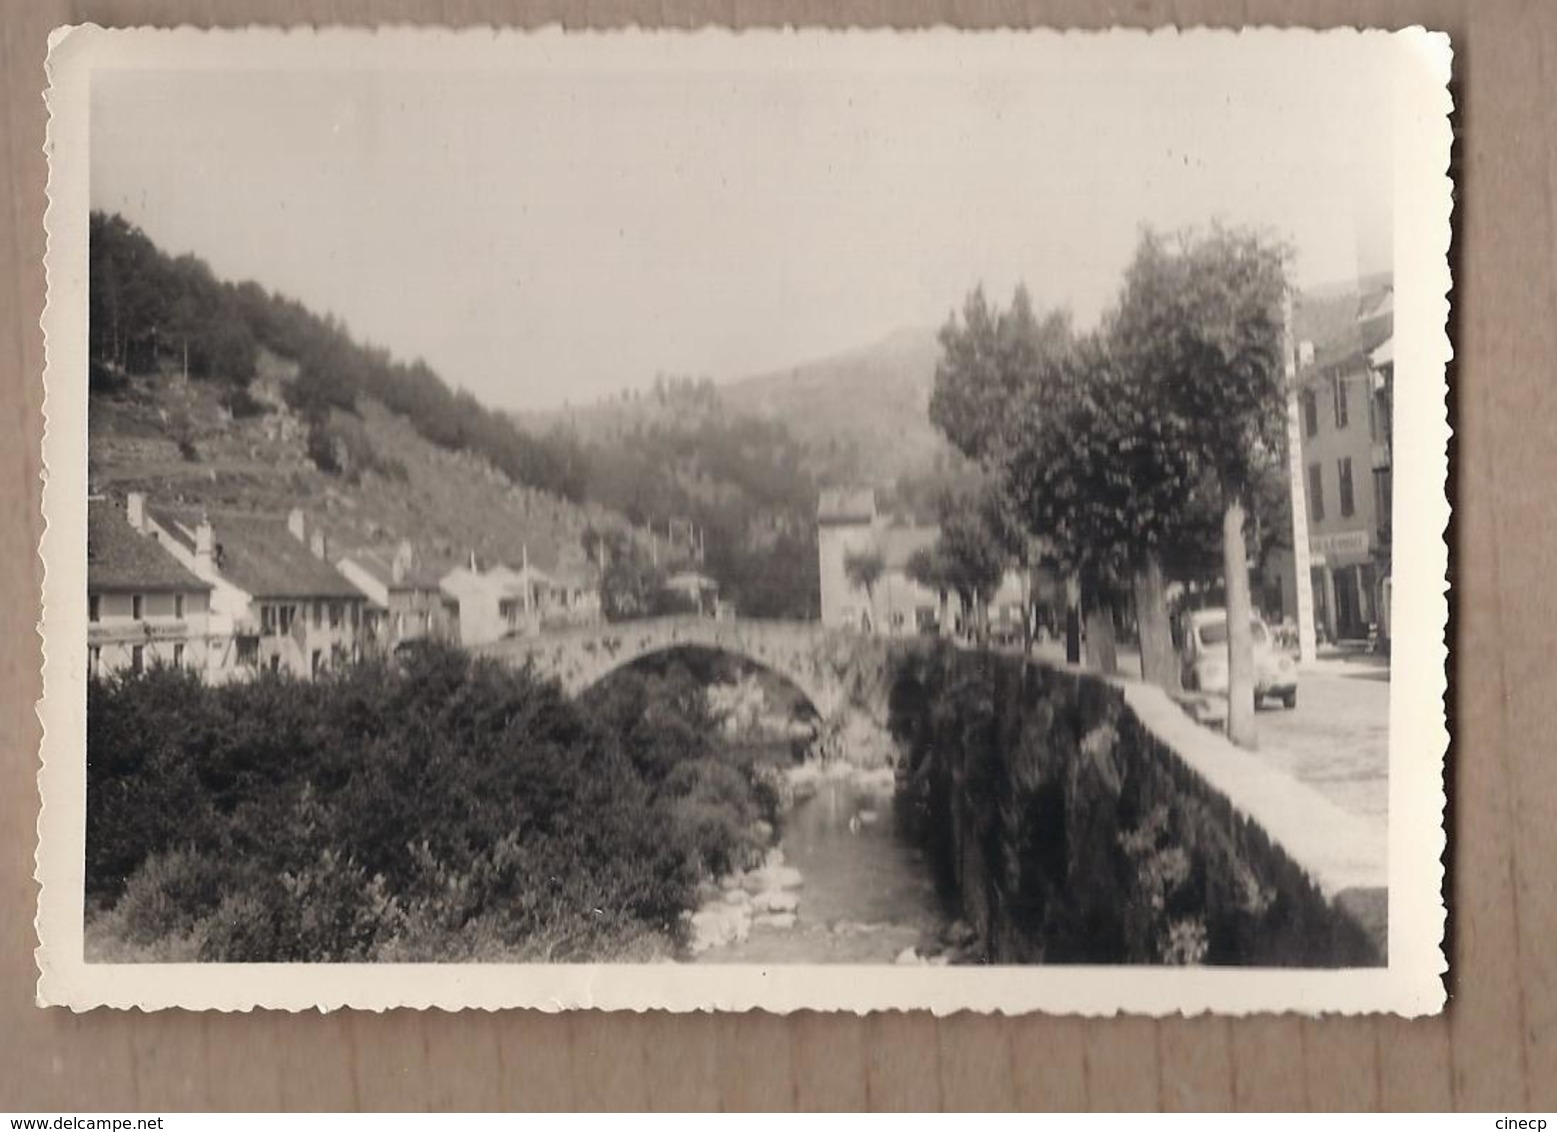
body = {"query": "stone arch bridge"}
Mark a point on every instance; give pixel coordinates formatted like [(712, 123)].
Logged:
[(833, 669)]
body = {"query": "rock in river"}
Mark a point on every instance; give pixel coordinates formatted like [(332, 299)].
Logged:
[(775, 900)]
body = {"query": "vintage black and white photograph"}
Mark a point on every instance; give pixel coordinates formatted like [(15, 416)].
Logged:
[(844, 520)]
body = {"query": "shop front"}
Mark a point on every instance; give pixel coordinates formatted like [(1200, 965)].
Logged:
[(1344, 581)]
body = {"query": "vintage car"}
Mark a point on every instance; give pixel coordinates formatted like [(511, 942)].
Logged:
[(1204, 658)]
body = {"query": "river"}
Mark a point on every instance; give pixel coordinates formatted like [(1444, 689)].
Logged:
[(866, 894)]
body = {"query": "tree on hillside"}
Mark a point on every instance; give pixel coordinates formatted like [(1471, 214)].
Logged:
[(1201, 317), (864, 569)]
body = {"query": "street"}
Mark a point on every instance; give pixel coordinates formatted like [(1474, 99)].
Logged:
[(1337, 738)]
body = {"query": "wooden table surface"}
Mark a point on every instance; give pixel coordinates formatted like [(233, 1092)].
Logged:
[(1494, 1049)]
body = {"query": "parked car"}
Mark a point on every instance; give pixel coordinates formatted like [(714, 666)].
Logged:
[(1204, 658)]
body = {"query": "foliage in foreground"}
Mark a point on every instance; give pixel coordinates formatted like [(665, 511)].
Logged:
[(448, 809)]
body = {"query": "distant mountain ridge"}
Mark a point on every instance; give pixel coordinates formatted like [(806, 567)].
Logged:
[(865, 411), (862, 416)]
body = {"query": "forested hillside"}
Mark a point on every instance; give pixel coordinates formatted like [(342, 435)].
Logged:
[(150, 312), (225, 394)]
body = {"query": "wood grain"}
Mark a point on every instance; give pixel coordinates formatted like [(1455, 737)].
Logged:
[(1495, 1048)]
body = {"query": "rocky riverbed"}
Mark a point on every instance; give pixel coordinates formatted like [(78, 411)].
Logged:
[(842, 886)]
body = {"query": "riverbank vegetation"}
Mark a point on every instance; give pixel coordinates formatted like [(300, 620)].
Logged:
[(441, 809)]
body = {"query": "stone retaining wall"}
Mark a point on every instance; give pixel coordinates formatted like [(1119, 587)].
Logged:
[(1071, 820)]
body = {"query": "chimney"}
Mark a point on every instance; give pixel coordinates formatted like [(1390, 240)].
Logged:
[(404, 557), (319, 544), (205, 544), (297, 524), (135, 510)]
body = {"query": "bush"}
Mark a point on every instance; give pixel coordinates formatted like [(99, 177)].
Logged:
[(441, 808), (242, 404)]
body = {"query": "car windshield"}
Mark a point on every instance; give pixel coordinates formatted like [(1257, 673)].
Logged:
[(1215, 632)]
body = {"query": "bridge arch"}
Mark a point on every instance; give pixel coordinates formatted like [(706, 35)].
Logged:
[(830, 669)]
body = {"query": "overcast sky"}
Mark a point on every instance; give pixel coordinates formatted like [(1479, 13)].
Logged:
[(556, 231)]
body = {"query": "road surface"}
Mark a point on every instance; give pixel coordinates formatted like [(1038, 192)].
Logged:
[(1337, 738)]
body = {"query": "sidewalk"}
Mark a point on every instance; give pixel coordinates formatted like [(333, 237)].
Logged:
[(1348, 660)]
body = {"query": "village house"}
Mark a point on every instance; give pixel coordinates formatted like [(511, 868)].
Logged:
[(569, 593), (500, 601), (1344, 429), (490, 602), (849, 525), (143, 606), (406, 598), (277, 604)]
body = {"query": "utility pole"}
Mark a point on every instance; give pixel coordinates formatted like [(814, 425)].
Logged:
[(1302, 578)]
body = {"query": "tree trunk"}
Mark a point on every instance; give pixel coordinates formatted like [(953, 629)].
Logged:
[(1159, 664), (1240, 640), (1102, 654), (1072, 620)]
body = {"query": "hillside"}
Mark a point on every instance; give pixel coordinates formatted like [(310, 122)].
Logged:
[(175, 440), (864, 414)]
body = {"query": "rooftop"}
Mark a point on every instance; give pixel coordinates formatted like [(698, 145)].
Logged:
[(258, 554), (121, 559), (379, 563), (1349, 344)]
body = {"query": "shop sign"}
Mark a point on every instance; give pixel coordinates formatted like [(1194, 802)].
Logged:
[(1341, 544)]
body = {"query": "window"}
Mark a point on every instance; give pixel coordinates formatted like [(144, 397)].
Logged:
[(317, 663), (275, 662), (1382, 498), (94, 607), (286, 613), (1338, 387), (335, 615), (137, 607), (1343, 469), (178, 606), (248, 652), (178, 656), (268, 620), (318, 614), (1310, 413), (1316, 493), (138, 659)]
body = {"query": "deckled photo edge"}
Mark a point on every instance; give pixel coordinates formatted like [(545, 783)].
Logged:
[(1411, 984)]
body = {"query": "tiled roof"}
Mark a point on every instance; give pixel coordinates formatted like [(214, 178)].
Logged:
[(380, 563), (846, 505), (1345, 342), (259, 555), (1352, 346), (120, 559)]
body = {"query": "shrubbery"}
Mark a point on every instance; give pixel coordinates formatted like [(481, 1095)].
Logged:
[(445, 809)]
